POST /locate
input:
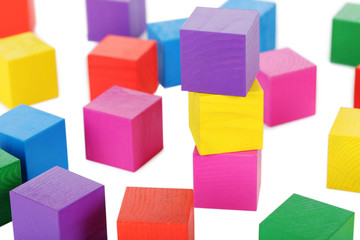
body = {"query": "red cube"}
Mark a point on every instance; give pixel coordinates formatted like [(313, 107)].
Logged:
[(357, 88)]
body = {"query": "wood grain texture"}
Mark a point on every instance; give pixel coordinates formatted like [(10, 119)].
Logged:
[(301, 218), (357, 88), (221, 124), (10, 178), (123, 61), (156, 214), (344, 151)]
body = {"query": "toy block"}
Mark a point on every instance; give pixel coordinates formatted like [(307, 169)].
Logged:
[(357, 88), (301, 218), (267, 24), (167, 35), (59, 205), (343, 157), (222, 124), (123, 128), (289, 84), (220, 51), (37, 138), (123, 61), (16, 17), (156, 213), (120, 17), (27, 70), (345, 48), (228, 180), (10, 178)]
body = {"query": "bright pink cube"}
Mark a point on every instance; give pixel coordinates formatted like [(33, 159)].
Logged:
[(289, 84), (228, 180), (123, 128)]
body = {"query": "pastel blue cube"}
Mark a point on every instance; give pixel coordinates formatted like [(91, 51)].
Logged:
[(167, 35), (267, 11), (37, 138)]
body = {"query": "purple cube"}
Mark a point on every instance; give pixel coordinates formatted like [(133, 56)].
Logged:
[(59, 205), (116, 17), (219, 51)]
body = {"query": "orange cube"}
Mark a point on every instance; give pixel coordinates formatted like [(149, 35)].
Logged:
[(123, 61), (16, 16)]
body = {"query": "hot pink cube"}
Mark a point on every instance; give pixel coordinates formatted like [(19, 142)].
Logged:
[(123, 128), (289, 84), (228, 180)]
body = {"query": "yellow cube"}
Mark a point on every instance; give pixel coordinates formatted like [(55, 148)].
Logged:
[(27, 70), (221, 124), (344, 151)]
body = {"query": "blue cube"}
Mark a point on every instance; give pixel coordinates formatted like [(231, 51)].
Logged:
[(167, 35), (37, 138), (267, 11)]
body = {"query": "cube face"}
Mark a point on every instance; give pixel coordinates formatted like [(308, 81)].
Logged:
[(289, 84), (167, 35), (169, 214), (123, 128), (10, 178), (16, 17), (357, 88), (220, 51), (342, 154), (123, 61), (303, 218), (121, 17), (221, 124), (29, 70), (267, 26), (346, 36), (37, 138), (67, 205), (227, 181)]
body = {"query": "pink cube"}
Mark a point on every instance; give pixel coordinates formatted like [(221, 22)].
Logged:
[(289, 84), (123, 128), (228, 180)]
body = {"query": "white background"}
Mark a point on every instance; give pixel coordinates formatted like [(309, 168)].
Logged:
[(294, 154)]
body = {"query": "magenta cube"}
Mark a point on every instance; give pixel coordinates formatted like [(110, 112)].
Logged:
[(59, 205), (289, 84), (123, 128), (116, 17), (219, 51), (228, 180)]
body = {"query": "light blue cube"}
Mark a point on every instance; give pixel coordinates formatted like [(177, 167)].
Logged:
[(37, 138), (267, 12), (167, 35)]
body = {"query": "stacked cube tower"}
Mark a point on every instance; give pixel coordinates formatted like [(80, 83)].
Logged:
[(219, 64)]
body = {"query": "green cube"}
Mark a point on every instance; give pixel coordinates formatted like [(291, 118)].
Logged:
[(300, 218), (345, 47), (10, 178)]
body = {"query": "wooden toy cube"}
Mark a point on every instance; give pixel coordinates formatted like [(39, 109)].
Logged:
[(343, 157), (156, 213), (16, 17), (123, 128), (222, 124), (357, 88), (59, 205), (228, 180), (123, 61), (120, 17), (267, 24), (10, 178), (37, 138), (345, 47), (220, 51), (27, 70), (289, 84), (301, 218), (167, 35)]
